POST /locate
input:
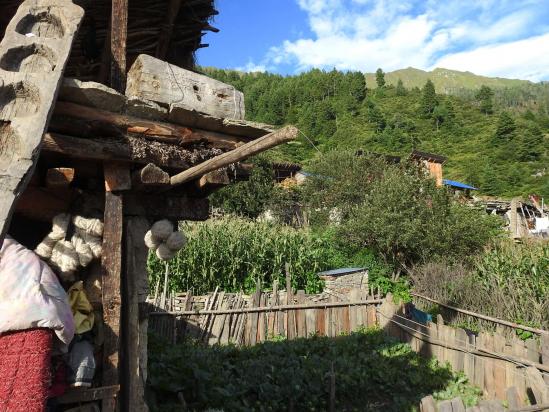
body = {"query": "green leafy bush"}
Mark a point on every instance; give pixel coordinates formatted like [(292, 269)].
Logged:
[(371, 372)]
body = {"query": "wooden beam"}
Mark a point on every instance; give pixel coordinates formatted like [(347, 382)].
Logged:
[(77, 120), (119, 36), (167, 29), (111, 269), (135, 326), (131, 149), (59, 177), (254, 147), (213, 181), (117, 177), (164, 206), (150, 177), (88, 394), (43, 205)]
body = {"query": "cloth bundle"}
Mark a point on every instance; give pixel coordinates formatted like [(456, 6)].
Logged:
[(164, 240), (67, 256)]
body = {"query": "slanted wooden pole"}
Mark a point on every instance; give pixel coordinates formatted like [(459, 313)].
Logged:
[(119, 36), (254, 147)]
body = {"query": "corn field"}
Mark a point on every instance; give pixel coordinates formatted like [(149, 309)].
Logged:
[(233, 253)]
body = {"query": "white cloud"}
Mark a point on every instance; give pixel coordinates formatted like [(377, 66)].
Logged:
[(252, 67), (491, 37), (525, 59)]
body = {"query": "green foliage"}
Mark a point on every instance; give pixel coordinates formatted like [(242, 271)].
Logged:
[(484, 97), (249, 198), (395, 211), (372, 373), (428, 99), (506, 129), (400, 90), (233, 253), (380, 78)]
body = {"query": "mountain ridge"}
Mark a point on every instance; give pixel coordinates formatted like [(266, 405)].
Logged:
[(446, 81)]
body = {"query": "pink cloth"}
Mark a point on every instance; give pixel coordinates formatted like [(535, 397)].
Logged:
[(31, 295)]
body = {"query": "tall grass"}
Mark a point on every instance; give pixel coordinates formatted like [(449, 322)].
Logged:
[(509, 281), (233, 253)]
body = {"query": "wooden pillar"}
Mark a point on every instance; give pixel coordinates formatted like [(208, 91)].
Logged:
[(119, 35), (111, 270), (135, 316)]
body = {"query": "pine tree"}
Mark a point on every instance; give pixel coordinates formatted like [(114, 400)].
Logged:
[(506, 129), (380, 78), (375, 116), (400, 90), (440, 115), (531, 144), (428, 99), (484, 97)]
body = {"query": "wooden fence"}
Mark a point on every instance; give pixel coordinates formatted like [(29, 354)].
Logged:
[(497, 363), (221, 318)]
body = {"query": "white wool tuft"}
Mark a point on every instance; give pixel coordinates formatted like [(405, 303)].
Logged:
[(91, 226), (45, 248), (65, 259), (60, 224), (162, 229), (176, 241), (164, 252), (94, 242), (85, 254), (151, 241)]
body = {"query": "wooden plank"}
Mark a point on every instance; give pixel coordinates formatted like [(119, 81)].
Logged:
[(28, 87), (256, 299), (428, 404), (457, 405), (353, 295), (88, 394), (111, 270), (241, 153), (513, 397), (261, 332), (119, 35), (310, 316), (346, 323), (320, 322), (537, 385), (445, 406), (461, 340), (300, 315), (290, 318), (544, 345), (282, 318), (51, 203), (272, 329), (489, 383), (500, 367)]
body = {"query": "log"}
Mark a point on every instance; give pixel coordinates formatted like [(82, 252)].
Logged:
[(212, 181), (88, 394), (117, 177), (128, 150), (111, 269), (77, 120), (152, 79), (254, 147), (166, 207), (31, 75), (150, 177)]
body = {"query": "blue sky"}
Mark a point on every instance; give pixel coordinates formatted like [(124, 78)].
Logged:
[(490, 37)]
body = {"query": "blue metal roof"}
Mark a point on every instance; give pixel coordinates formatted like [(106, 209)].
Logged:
[(459, 185), (342, 271)]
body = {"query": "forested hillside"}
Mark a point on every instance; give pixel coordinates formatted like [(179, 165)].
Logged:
[(495, 146)]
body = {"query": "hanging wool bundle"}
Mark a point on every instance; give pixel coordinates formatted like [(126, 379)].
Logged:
[(83, 250), (94, 242), (163, 240), (60, 224), (162, 229), (45, 248), (93, 227), (151, 241), (65, 259), (164, 252), (176, 241)]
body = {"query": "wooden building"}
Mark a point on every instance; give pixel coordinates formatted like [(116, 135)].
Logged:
[(127, 155), (432, 163)]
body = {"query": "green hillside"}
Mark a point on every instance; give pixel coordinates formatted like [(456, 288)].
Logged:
[(504, 152), (446, 81)]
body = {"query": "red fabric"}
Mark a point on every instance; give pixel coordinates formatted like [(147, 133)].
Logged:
[(25, 370)]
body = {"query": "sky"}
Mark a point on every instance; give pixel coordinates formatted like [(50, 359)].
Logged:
[(504, 38)]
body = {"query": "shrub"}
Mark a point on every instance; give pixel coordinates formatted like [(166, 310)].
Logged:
[(509, 281)]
